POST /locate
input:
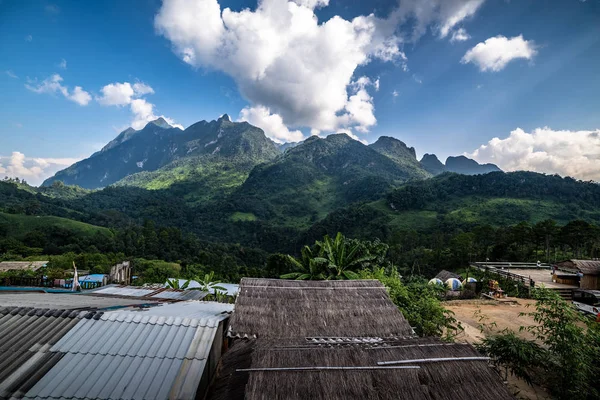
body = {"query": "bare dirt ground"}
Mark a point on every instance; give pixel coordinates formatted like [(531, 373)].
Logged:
[(493, 317)]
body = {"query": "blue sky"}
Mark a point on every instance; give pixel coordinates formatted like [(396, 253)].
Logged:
[(533, 65)]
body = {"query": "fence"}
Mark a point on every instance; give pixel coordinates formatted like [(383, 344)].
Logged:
[(509, 275), (47, 283)]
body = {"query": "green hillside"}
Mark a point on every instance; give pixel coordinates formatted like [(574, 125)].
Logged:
[(314, 178), (18, 225), (452, 201)]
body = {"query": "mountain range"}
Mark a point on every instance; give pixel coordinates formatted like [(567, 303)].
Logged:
[(227, 183), (226, 152)]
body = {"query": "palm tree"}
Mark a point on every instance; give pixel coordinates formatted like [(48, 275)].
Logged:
[(310, 267), (209, 284), (342, 257), (174, 284)]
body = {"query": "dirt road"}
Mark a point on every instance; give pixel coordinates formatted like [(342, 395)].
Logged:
[(481, 318)]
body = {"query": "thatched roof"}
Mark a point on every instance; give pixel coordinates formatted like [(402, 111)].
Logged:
[(274, 308), (444, 275), (293, 369), (21, 265), (587, 267)]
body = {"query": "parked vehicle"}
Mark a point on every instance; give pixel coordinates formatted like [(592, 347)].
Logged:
[(587, 301)]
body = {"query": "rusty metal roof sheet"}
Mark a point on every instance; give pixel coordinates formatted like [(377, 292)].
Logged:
[(147, 293), (64, 301)]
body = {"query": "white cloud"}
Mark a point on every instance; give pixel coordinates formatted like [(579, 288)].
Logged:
[(460, 35), (284, 59), (395, 93), (567, 153), (62, 64), (33, 170), (11, 74), (53, 85), (442, 15), (125, 94), (28, 38), (496, 52), (80, 96), (141, 89), (18, 125), (271, 123), (116, 94), (280, 56)]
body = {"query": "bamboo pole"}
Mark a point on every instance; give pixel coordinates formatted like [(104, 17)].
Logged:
[(325, 368), (433, 360)]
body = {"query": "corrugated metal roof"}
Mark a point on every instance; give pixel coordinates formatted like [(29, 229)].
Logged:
[(67, 301), (231, 289), (148, 293), (190, 309), (152, 354), (26, 335)]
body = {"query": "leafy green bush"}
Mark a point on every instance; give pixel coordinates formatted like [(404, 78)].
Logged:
[(419, 303)]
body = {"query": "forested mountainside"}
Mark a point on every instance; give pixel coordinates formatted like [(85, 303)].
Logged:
[(435, 222), (158, 144), (222, 190)]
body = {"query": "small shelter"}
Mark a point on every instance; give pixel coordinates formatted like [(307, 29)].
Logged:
[(436, 281), (444, 275), (21, 265), (585, 273), (121, 273), (334, 340), (453, 284)]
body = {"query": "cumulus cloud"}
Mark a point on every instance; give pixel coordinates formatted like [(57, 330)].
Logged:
[(33, 170), (442, 15), (11, 74), (567, 153), (496, 52), (62, 64), (125, 94), (53, 85), (271, 123), (460, 35), (286, 61)]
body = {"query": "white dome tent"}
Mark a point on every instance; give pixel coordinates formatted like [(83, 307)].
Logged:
[(453, 284), (436, 281)]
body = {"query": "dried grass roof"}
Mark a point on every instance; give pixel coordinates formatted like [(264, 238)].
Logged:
[(444, 275), (355, 371), (274, 308)]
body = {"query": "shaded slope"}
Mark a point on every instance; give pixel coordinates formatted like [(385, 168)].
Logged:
[(402, 155), (158, 145), (465, 201), (315, 177)]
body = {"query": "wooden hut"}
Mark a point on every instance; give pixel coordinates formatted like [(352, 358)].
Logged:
[(334, 340), (399, 369), (586, 273), (444, 275)]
